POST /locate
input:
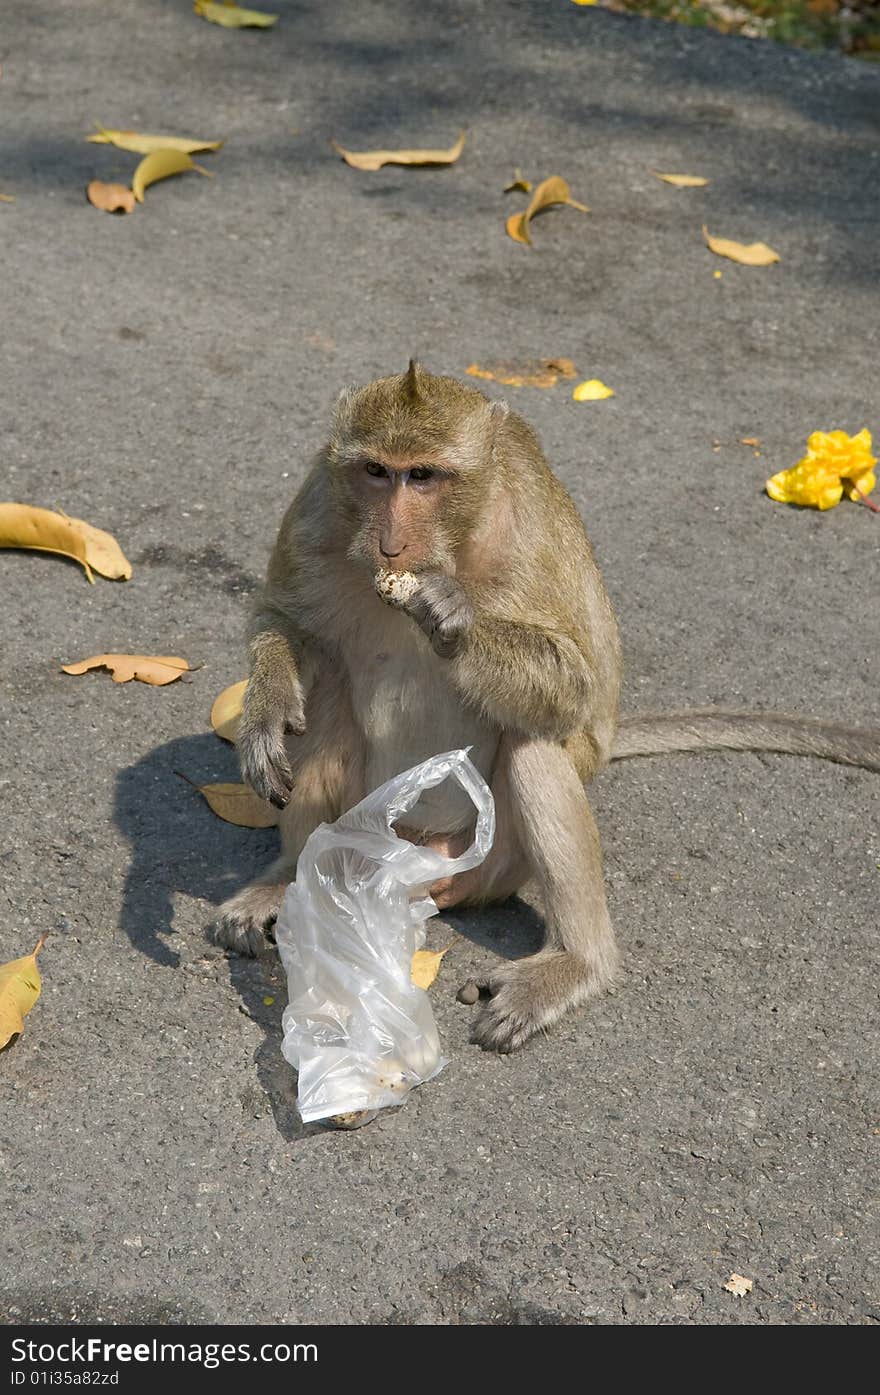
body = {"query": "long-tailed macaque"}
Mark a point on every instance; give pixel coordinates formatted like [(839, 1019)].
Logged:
[(507, 645)]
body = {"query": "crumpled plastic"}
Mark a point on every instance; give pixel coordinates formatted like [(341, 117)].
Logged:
[(357, 1030), (834, 465)]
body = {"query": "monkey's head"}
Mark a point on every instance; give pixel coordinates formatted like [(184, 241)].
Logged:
[(411, 463)]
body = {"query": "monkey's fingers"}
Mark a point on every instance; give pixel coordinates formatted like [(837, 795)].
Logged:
[(265, 768)]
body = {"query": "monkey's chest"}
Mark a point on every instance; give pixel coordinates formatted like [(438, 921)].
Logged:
[(408, 710)]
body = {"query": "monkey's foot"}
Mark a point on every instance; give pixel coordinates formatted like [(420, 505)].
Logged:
[(245, 920), (520, 999)]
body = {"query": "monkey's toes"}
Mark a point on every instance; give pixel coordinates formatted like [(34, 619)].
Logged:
[(501, 1026), (246, 919)]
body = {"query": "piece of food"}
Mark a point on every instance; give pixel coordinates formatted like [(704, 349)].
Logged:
[(396, 588)]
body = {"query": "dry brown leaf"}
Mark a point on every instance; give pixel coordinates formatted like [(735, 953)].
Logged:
[(146, 668), (20, 985), (541, 373), (750, 440), (523, 185), (682, 181), (237, 804), (110, 198), (145, 145), (227, 710), (739, 1285), (43, 530), (160, 165), (233, 16), (549, 192), (7, 198), (747, 254), (426, 965), (375, 159)]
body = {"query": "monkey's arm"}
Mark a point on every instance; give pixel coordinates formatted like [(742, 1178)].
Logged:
[(525, 676), (274, 703)]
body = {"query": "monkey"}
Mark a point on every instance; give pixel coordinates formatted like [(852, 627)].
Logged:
[(506, 643)]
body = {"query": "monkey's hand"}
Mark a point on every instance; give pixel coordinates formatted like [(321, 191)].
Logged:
[(273, 709), (440, 606)]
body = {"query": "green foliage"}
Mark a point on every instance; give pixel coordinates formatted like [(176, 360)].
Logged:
[(852, 26)]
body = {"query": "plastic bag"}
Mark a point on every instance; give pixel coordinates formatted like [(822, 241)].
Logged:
[(357, 1030)]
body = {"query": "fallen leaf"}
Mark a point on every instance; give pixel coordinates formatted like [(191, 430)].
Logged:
[(232, 16), (541, 372), (549, 192), (738, 1285), (834, 464), (375, 159), (7, 198), (751, 254), (749, 440), (227, 710), (682, 181), (426, 965), (160, 165), (20, 985), (42, 530), (145, 145), (525, 185), (585, 2), (110, 198), (593, 390), (236, 804), (146, 668)]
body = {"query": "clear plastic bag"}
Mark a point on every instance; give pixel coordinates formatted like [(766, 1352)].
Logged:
[(356, 1029)]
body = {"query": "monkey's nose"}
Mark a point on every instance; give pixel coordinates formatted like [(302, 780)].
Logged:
[(385, 553)]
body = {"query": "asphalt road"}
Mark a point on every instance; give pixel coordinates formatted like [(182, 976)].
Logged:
[(166, 376)]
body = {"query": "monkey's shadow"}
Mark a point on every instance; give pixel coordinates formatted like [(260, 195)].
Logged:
[(178, 847)]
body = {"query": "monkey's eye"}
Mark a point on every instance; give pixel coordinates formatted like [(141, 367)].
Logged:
[(421, 473), (373, 468)]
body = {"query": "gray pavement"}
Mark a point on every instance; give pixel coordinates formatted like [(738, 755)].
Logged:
[(167, 376)]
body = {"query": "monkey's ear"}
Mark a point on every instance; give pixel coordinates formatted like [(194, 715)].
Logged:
[(414, 380)]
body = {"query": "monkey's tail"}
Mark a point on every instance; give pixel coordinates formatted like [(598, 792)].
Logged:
[(717, 729)]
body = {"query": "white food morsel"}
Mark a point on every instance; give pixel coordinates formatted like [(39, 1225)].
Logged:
[(396, 588)]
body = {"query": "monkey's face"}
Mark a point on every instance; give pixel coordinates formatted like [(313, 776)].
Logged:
[(402, 509)]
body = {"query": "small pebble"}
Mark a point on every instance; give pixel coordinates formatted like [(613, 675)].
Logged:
[(468, 993)]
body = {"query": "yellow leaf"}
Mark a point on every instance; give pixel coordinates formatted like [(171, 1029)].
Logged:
[(42, 530), (145, 145), (739, 1285), (682, 181), (375, 159), (593, 390), (232, 16), (20, 986), (834, 463), (751, 254), (540, 373), (227, 710), (525, 185), (426, 965), (238, 804), (110, 198), (550, 191), (7, 198), (147, 668), (160, 165), (585, 2)]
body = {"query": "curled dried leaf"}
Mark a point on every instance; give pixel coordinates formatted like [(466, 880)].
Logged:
[(20, 986), (519, 183), (233, 16), (226, 711), (375, 159), (145, 145), (146, 668), (43, 530), (548, 193), (161, 164), (682, 181), (747, 254), (540, 373), (110, 198), (237, 804), (425, 965)]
